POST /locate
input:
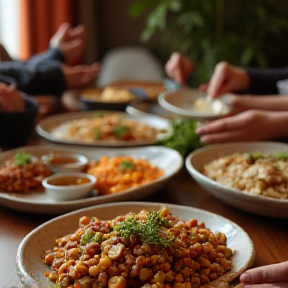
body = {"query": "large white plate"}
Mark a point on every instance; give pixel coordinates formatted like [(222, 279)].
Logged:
[(252, 203), (30, 253), (45, 127), (165, 158)]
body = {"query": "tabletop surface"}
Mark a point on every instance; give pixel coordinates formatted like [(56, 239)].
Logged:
[(269, 235)]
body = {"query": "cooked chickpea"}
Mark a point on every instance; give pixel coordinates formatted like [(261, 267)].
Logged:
[(117, 282)]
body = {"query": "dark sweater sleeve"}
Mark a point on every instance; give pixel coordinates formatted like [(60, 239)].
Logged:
[(39, 77), (264, 81)]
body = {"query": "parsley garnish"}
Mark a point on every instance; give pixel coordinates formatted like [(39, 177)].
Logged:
[(280, 155), (96, 133), (90, 236), (121, 130), (21, 158), (154, 230), (126, 164), (99, 114)]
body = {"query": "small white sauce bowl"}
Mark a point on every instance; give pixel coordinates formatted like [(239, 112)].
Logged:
[(68, 192), (78, 166)]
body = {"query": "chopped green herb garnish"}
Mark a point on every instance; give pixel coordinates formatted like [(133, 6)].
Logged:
[(99, 114), (121, 130), (96, 133), (154, 230), (252, 157), (126, 164), (89, 236), (86, 237), (280, 155), (21, 158)]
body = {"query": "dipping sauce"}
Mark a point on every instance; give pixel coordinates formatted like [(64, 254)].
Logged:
[(68, 181), (62, 161)]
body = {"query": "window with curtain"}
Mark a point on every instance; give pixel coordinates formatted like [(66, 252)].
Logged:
[(9, 26)]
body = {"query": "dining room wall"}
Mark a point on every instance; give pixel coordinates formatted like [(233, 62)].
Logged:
[(108, 25)]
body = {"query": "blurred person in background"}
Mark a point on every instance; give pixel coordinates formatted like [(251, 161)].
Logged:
[(254, 118), (55, 70)]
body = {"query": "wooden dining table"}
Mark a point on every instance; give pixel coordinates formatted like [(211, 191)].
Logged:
[(269, 235)]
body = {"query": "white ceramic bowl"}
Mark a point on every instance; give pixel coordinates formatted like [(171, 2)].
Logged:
[(78, 166), (257, 204), (68, 192), (181, 104)]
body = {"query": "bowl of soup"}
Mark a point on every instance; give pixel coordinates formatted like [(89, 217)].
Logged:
[(67, 186), (59, 162)]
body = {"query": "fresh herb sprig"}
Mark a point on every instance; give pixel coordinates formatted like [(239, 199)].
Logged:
[(121, 130), (21, 158), (126, 165), (154, 230), (183, 139)]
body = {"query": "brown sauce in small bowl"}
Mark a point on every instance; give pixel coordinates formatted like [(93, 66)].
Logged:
[(63, 161), (69, 180)]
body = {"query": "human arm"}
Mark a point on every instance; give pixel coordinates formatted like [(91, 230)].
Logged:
[(228, 78), (179, 68), (49, 77), (275, 275), (250, 125)]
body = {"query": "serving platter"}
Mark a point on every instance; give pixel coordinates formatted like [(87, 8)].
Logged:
[(170, 161), (31, 267), (258, 204), (46, 126)]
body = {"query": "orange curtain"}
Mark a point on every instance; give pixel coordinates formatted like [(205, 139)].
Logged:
[(39, 20)]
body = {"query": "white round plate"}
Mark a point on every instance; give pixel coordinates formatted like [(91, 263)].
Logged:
[(46, 126), (169, 160), (31, 267), (181, 104), (257, 204)]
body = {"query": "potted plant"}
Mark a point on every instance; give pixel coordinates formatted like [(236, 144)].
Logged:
[(243, 32)]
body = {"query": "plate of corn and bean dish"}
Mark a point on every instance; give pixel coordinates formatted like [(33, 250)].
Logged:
[(134, 244), (121, 174)]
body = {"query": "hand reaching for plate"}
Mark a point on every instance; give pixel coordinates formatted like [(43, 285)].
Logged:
[(275, 275)]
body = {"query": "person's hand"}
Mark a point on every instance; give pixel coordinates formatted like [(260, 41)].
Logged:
[(70, 41), (240, 103), (80, 76), (275, 275), (226, 78), (179, 68), (10, 99), (251, 125)]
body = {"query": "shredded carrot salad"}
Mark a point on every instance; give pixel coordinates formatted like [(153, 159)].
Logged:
[(121, 173)]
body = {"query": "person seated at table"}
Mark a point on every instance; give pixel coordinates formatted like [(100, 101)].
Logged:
[(254, 118), (275, 275), (55, 70)]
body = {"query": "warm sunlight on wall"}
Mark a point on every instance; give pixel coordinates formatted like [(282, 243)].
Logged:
[(9, 26)]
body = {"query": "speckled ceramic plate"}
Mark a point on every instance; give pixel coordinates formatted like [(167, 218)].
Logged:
[(252, 203), (46, 128), (165, 158), (31, 268)]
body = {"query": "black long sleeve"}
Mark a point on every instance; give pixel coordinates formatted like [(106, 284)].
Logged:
[(43, 77), (41, 74), (264, 81)]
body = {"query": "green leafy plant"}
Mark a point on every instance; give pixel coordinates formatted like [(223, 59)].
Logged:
[(183, 139), (243, 32)]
